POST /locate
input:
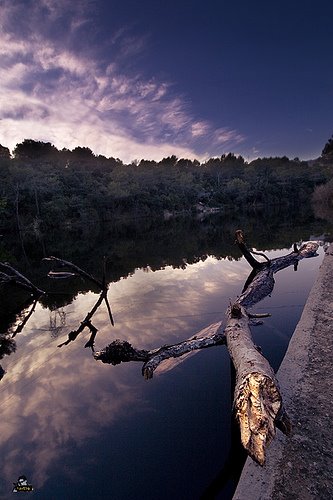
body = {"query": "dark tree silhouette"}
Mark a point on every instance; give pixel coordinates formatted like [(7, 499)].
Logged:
[(328, 148), (4, 153), (34, 150)]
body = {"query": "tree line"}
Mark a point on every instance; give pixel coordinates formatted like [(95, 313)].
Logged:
[(43, 187)]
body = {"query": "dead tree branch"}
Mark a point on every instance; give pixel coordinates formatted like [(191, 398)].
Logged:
[(86, 323), (77, 271), (122, 351), (13, 276), (25, 320), (102, 285), (257, 400)]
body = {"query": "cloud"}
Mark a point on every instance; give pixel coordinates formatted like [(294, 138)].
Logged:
[(54, 89), (199, 129), (54, 400), (227, 136)]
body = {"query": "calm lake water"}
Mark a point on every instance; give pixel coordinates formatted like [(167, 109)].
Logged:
[(78, 429)]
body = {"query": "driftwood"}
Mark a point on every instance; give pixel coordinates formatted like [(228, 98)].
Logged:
[(77, 271), (257, 400)]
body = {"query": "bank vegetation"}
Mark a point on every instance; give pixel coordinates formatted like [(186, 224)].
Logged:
[(43, 187)]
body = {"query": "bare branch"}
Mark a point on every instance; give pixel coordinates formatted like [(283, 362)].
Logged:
[(122, 351), (109, 310), (103, 296), (214, 335), (19, 279), (60, 275), (240, 241), (76, 269), (86, 323), (20, 327), (259, 315)]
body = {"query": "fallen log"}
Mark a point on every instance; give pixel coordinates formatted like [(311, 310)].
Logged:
[(257, 402), (257, 399)]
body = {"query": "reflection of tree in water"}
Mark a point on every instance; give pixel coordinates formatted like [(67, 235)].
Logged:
[(9, 277), (57, 319), (269, 408), (7, 345), (153, 243), (57, 322)]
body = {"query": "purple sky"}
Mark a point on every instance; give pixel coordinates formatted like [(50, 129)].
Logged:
[(145, 79)]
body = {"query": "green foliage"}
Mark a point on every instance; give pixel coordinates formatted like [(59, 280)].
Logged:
[(4, 153), (323, 194), (82, 153), (77, 189), (34, 150)]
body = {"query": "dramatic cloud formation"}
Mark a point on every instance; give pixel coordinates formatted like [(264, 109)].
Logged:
[(57, 90), (147, 80)]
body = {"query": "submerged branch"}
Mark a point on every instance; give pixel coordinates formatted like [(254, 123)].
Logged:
[(102, 285), (76, 269), (122, 351), (86, 323), (25, 320), (13, 276)]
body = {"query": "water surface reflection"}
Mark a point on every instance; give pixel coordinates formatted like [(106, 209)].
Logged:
[(80, 429)]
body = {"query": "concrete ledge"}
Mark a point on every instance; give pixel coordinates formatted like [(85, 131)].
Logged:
[(301, 466)]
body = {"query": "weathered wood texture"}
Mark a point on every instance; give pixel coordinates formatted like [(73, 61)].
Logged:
[(257, 399), (122, 351)]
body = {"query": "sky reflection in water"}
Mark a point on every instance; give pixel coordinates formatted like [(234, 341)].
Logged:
[(68, 421)]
